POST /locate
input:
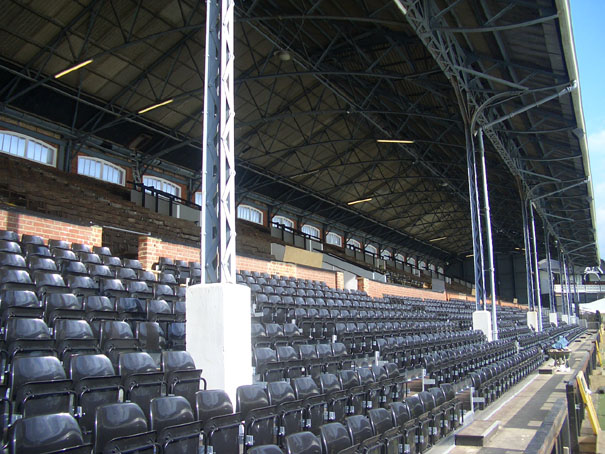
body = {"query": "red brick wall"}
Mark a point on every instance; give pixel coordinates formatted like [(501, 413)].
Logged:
[(288, 270), (151, 249), (50, 229), (380, 289)]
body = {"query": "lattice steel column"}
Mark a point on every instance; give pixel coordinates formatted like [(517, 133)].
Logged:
[(527, 255), (538, 296), (218, 162), (551, 290), (475, 222)]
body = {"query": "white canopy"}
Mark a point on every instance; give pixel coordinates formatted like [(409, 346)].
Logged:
[(598, 305)]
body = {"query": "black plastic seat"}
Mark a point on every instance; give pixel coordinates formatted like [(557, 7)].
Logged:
[(11, 260), (62, 305), (15, 279), (221, 426), (31, 239), (63, 256), (95, 383), (172, 419), (20, 303), (289, 409), (112, 288), (141, 378), (46, 433), (99, 307), (265, 449), (334, 438), (163, 291), (139, 289), (39, 250), (132, 263), (38, 386), (259, 418), (115, 337), (131, 308), (315, 404), (80, 247), (49, 283), (180, 375), (359, 428), (58, 244), (159, 310), (150, 336), (73, 268), (112, 262), (121, 427), (73, 337), (176, 335), (37, 263), (9, 235), (28, 336), (82, 285), (302, 443), (10, 246), (337, 398), (90, 258)]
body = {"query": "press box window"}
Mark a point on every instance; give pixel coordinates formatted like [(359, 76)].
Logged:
[(28, 148), (101, 170)]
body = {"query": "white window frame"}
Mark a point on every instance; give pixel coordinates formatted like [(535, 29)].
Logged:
[(334, 239), (421, 265), (400, 257), (252, 209), (311, 231), (411, 261), (50, 148), (371, 249), (197, 195), (386, 255), (352, 242), (163, 182), (279, 219), (104, 164), (432, 267), (440, 270)]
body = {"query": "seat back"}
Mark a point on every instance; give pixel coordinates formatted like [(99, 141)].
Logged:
[(44, 433), (117, 420), (334, 438), (359, 428), (380, 420), (211, 403), (302, 443), (141, 378), (169, 411)]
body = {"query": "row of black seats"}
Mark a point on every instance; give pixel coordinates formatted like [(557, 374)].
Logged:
[(25, 303), (32, 337), (102, 283), (43, 385)]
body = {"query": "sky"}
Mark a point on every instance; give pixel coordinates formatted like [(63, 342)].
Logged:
[(589, 35)]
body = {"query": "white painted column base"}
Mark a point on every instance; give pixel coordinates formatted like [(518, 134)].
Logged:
[(218, 334), (482, 321), (532, 320), (573, 319), (552, 318), (565, 318)]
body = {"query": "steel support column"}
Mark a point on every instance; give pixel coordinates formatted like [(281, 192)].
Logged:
[(538, 296), (488, 230), (475, 222), (217, 218), (527, 255), (551, 292), (566, 287)]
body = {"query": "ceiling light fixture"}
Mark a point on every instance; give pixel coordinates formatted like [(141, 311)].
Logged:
[(402, 8), (73, 68), (155, 106), (438, 239), (394, 141), (354, 202), (470, 255)]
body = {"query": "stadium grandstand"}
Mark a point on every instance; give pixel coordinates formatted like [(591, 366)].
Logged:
[(294, 227)]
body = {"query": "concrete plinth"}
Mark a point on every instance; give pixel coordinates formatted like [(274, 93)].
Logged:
[(482, 321), (573, 319), (565, 318), (532, 320), (552, 318), (218, 334)]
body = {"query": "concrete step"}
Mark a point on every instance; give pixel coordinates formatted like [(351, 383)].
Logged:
[(477, 433)]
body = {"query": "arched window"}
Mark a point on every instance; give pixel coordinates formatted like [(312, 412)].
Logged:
[(386, 254), (283, 221), (352, 243), (440, 270), (26, 147), (411, 261), (371, 249), (101, 170), (311, 230), (250, 214), (198, 198), (431, 267), (400, 257), (421, 265), (162, 185), (334, 238)]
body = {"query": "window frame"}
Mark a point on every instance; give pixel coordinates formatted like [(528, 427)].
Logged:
[(333, 235), (374, 249), (354, 246), (53, 148), (285, 224), (103, 162), (251, 208), (386, 255), (316, 230), (164, 181)]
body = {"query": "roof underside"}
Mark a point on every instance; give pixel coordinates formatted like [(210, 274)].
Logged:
[(317, 83)]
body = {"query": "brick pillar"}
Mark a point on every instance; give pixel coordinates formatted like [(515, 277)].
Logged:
[(363, 284), (149, 251), (340, 280), (96, 235)]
